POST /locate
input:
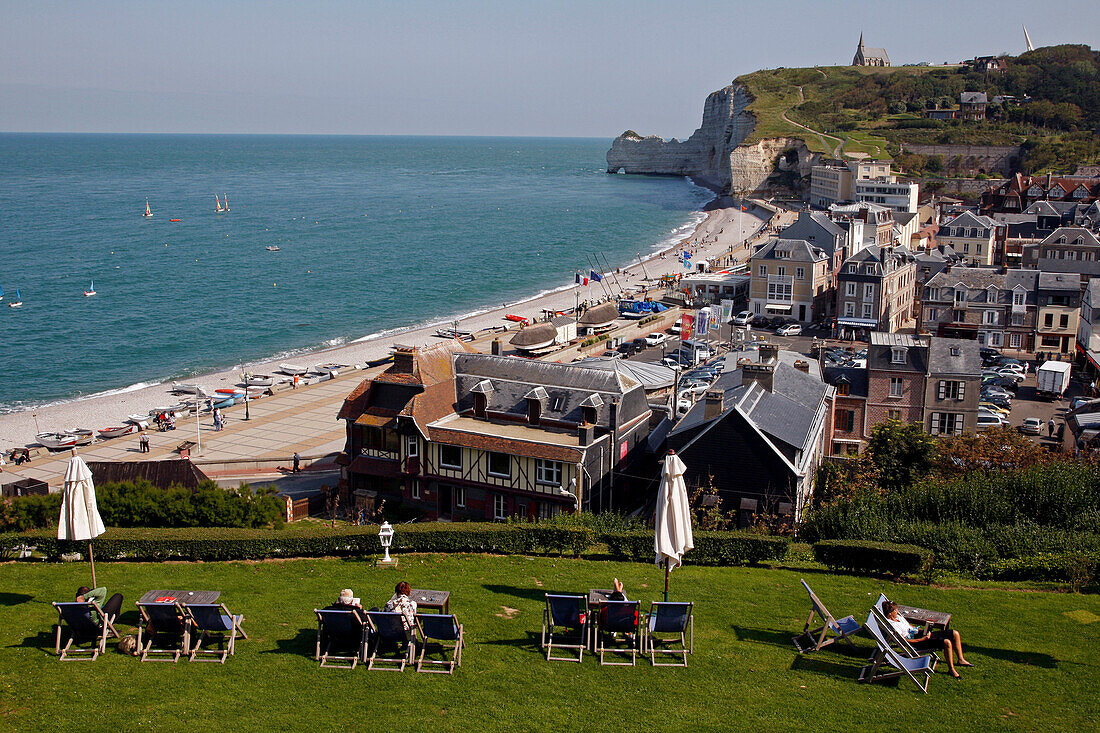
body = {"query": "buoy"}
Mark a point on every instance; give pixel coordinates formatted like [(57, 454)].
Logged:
[(274, 285)]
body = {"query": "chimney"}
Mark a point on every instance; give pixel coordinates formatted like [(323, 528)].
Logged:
[(585, 433), (404, 360), (768, 353), (714, 404), (762, 374), (495, 348), (802, 365)]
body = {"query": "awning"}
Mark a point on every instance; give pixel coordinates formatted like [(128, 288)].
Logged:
[(857, 322), (777, 307), (1092, 356)]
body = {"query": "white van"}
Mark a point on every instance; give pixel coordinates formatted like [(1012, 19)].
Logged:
[(698, 350)]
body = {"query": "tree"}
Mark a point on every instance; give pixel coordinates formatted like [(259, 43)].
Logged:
[(935, 164), (902, 453), (996, 449)]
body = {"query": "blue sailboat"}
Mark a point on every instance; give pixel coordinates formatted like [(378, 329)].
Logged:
[(18, 302), (91, 290)]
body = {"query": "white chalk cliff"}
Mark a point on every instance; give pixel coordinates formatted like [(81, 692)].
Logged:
[(713, 156)]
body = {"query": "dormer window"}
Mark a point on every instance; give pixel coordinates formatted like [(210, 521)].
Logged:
[(481, 392), (536, 399), (897, 354), (843, 389), (590, 409)]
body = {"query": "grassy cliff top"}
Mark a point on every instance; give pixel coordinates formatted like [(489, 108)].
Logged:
[(841, 110)]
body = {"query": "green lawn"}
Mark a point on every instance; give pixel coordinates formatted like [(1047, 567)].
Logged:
[(1036, 655)]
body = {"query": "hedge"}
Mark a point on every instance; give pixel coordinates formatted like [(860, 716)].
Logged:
[(213, 544), (711, 548), (862, 556), (1077, 568)]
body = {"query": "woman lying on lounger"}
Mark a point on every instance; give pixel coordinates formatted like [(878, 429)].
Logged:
[(952, 642)]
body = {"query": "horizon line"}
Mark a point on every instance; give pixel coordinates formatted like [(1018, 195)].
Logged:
[(310, 134)]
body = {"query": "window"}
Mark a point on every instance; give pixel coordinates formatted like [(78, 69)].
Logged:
[(893, 414), (869, 269), (460, 497), (845, 420), (780, 289), (450, 456), (781, 270), (800, 273), (500, 506), (933, 293), (1063, 321), (897, 355), (950, 389), (548, 472), (849, 309), (853, 268), (946, 423), (868, 310), (1017, 319), (989, 317), (500, 464), (412, 446), (1014, 340), (850, 289), (933, 314), (1048, 320), (895, 386), (1052, 341), (960, 295), (762, 271), (868, 291), (843, 389), (995, 338), (959, 316), (966, 249), (558, 402), (415, 490)]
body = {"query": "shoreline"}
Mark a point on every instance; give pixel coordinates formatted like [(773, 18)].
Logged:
[(705, 238)]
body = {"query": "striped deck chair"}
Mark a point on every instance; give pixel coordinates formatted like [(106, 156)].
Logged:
[(812, 640), (886, 663)]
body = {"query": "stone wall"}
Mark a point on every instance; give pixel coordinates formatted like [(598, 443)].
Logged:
[(1002, 159)]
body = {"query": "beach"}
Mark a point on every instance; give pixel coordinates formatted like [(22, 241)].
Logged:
[(719, 232)]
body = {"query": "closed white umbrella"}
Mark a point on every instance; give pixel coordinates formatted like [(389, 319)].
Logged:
[(80, 518), (672, 535)]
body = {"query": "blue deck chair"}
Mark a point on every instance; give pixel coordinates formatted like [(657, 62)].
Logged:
[(565, 615), (213, 620), (163, 625), (902, 645), (446, 633), (343, 634), (918, 669), (812, 640), (618, 617), (670, 618), (87, 624), (388, 631)]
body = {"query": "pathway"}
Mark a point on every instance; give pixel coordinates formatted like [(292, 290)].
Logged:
[(834, 151)]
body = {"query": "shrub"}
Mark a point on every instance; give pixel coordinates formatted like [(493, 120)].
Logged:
[(862, 556), (711, 548), (1077, 568)]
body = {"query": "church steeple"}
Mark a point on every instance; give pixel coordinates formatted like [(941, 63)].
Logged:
[(861, 39)]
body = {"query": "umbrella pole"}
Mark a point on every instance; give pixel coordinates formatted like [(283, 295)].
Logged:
[(667, 563), (91, 559)]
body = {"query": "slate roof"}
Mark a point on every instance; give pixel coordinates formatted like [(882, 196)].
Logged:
[(799, 250), (880, 352), (969, 219), (973, 98), (954, 356), (1077, 236), (816, 224), (854, 376), (1060, 281)]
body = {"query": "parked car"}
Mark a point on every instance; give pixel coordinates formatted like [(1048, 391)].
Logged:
[(1032, 425), (743, 318), (995, 409), (674, 329), (1000, 382), (609, 354), (988, 352), (656, 339), (671, 363), (694, 388), (1006, 360), (988, 419), (791, 329), (1009, 374), (995, 390)]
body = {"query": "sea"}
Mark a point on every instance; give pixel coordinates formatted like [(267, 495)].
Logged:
[(375, 234)]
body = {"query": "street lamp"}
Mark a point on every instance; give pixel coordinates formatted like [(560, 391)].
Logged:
[(244, 378), (385, 535)]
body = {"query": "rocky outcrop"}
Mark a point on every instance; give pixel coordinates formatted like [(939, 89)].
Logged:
[(715, 155)]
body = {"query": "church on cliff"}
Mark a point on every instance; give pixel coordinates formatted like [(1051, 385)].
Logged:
[(869, 56)]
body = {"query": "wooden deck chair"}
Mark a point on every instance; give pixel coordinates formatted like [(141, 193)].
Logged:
[(902, 645), (564, 615), (163, 625), (387, 629), (446, 633), (343, 635), (812, 640), (918, 669), (618, 617), (213, 620), (81, 620), (675, 619)]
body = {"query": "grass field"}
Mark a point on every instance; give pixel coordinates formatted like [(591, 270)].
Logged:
[(1036, 655)]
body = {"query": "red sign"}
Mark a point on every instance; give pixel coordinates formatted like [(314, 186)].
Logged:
[(622, 451), (687, 323)]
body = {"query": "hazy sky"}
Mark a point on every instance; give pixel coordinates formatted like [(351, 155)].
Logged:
[(537, 67)]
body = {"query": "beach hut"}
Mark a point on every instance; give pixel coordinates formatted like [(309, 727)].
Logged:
[(598, 317), (537, 338)]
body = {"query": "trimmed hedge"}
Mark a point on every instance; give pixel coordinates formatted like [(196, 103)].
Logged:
[(1077, 568), (862, 556), (711, 548), (213, 544)]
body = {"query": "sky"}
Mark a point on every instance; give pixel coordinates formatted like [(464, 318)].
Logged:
[(555, 68)]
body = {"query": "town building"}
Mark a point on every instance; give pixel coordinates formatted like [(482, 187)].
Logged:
[(997, 308), (819, 230), (889, 192), (758, 434), (972, 106), (1020, 191), (972, 236), (867, 56), (1088, 325), (1059, 297), (867, 224), (453, 435), (875, 290), (953, 387), (1068, 250), (714, 287), (834, 181), (790, 277)]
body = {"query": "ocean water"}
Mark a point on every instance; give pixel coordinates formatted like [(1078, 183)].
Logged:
[(375, 233)]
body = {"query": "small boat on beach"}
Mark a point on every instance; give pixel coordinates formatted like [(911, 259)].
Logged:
[(259, 380), (83, 437), (515, 318), (56, 441), (272, 248), (175, 220), (222, 404), (148, 212), (229, 391), (331, 369), (18, 302), (91, 289), (293, 369), (142, 421), (187, 388), (117, 431)]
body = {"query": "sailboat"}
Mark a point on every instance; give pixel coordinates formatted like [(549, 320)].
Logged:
[(1, 293), (18, 302), (91, 289), (148, 212), (220, 208), (225, 197)]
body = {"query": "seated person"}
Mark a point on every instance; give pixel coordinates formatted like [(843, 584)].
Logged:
[(401, 603), (952, 642), (346, 602), (111, 607), (617, 592)]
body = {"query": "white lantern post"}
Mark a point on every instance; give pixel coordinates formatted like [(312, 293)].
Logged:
[(385, 534)]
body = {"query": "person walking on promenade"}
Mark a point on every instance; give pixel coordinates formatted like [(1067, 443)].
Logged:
[(1050, 428), (295, 384), (297, 462), (143, 443), (217, 419)]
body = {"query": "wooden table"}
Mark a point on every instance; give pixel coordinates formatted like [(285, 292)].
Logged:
[(436, 600), (924, 616), (183, 596), (598, 596)]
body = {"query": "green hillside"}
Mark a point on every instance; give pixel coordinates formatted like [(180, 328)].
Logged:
[(840, 110)]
